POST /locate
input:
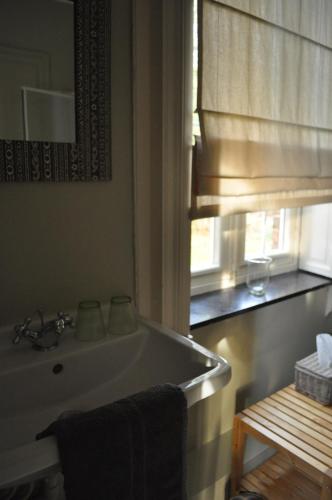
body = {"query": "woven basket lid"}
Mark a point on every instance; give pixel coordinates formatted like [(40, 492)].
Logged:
[(311, 364)]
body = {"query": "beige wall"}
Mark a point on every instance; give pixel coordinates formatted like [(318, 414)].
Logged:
[(61, 242), (262, 347)]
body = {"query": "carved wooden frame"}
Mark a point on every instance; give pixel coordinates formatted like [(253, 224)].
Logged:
[(89, 158)]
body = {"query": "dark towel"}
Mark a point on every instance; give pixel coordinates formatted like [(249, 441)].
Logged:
[(132, 449)]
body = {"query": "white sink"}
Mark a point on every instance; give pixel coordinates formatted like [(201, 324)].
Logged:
[(90, 375)]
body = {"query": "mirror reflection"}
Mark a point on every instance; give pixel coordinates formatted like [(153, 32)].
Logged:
[(37, 70)]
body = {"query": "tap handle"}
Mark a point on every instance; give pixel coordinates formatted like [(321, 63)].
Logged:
[(67, 319), (20, 330), (62, 321)]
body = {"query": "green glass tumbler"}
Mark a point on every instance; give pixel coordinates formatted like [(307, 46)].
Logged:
[(89, 323), (122, 316)]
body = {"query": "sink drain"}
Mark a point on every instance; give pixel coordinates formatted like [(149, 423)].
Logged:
[(57, 368)]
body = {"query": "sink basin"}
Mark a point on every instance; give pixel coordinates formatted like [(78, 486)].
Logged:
[(36, 388)]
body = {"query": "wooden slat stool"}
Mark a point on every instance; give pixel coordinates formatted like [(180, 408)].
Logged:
[(300, 429)]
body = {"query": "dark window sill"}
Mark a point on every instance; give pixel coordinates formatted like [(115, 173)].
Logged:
[(222, 304)]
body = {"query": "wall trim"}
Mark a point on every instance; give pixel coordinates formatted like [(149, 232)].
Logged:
[(147, 163), (162, 222), (176, 157)]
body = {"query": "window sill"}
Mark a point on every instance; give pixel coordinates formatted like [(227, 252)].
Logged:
[(222, 304)]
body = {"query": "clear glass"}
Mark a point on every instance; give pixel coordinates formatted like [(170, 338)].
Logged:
[(89, 322), (258, 275), (122, 316)]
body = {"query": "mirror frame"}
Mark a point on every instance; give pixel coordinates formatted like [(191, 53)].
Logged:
[(89, 158)]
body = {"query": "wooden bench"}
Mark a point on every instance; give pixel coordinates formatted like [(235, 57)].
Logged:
[(300, 429)]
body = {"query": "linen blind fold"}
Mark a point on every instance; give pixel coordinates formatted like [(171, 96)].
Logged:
[(265, 106)]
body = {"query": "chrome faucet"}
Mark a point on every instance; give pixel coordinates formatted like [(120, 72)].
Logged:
[(46, 336)]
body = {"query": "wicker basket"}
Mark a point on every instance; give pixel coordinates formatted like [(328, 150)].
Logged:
[(312, 380)]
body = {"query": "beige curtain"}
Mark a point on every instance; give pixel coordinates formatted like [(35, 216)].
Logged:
[(265, 105)]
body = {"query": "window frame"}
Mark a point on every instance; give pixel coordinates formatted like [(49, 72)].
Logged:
[(232, 271)]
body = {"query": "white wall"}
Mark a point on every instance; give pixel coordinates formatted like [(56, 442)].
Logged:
[(64, 242), (262, 347)]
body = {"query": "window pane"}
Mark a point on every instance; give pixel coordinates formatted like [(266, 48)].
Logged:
[(273, 232), (254, 233), (264, 233), (203, 244)]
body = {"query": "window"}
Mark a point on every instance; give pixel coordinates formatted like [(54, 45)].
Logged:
[(205, 245), (220, 246), (265, 233)]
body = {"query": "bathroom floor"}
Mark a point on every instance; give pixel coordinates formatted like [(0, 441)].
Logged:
[(278, 479)]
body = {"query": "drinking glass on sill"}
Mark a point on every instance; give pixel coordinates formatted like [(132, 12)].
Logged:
[(258, 275), (89, 323)]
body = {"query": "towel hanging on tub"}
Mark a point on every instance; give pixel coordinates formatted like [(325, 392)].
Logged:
[(132, 449)]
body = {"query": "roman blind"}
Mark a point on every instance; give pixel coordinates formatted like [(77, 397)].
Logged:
[(264, 105)]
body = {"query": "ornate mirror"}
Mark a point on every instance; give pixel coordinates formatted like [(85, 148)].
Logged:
[(55, 122)]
